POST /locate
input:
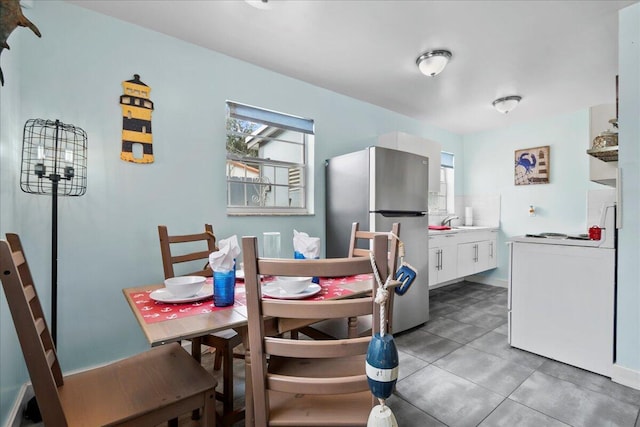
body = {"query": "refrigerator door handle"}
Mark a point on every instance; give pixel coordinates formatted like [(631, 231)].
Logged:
[(395, 214)]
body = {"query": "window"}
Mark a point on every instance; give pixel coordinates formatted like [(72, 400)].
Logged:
[(442, 202), (268, 157)]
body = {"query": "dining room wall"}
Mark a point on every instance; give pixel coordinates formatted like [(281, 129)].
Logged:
[(107, 238)]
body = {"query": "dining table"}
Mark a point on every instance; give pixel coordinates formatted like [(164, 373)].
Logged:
[(166, 322)]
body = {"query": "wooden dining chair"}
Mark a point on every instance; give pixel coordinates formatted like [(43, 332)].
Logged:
[(147, 389), (195, 248), (301, 382), (359, 245)]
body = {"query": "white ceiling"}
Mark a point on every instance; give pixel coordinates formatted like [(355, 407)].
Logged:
[(560, 56)]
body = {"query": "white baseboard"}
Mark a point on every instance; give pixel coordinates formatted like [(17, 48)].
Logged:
[(625, 376), (15, 415)]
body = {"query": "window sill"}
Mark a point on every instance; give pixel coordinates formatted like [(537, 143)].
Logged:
[(243, 212)]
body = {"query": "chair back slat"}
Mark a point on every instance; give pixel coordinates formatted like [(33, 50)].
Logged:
[(29, 293), (170, 258), (348, 352), (51, 358), (33, 334), (319, 349), (312, 310), (337, 385), (330, 267)]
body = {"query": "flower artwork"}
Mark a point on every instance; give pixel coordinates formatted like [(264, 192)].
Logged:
[(532, 166)]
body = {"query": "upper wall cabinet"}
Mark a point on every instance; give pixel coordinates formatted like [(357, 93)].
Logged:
[(414, 144), (603, 159)]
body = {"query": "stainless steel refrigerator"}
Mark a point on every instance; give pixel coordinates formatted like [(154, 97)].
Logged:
[(376, 187)]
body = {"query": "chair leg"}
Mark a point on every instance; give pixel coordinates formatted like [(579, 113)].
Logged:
[(217, 364), (196, 353)]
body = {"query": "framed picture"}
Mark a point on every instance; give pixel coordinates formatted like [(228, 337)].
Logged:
[(532, 166)]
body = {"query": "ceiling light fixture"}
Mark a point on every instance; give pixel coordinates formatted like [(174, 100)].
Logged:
[(506, 104), (259, 4), (433, 62)]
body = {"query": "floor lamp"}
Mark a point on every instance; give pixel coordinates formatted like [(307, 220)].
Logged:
[(54, 162)]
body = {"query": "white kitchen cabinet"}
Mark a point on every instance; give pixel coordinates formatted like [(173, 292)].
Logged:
[(478, 255), (468, 259), (461, 253), (417, 145), (602, 172), (443, 254)]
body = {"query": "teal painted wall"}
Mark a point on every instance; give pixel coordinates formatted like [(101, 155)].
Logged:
[(108, 238), (560, 205)]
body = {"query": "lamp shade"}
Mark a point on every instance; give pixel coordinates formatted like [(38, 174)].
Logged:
[(506, 104), (433, 62)]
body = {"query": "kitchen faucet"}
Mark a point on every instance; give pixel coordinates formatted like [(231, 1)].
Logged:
[(448, 219)]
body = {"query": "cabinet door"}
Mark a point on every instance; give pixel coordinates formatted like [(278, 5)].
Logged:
[(493, 254), (434, 265), (468, 258), (448, 263)]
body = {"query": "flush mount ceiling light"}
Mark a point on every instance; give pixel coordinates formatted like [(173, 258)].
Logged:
[(433, 62), (506, 104)]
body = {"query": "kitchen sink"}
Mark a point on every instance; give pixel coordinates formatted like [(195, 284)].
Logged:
[(470, 227)]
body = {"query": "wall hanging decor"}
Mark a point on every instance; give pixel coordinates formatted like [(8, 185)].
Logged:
[(11, 17), (54, 162), (137, 140), (532, 166)]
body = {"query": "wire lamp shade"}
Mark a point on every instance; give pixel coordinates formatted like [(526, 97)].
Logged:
[(53, 155), (54, 162)]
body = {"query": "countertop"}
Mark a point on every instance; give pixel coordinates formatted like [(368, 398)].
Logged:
[(462, 229)]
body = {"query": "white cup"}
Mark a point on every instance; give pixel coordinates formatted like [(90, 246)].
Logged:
[(271, 244)]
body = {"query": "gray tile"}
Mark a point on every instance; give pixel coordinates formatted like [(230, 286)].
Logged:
[(408, 415), (458, 298), (573, 404), (408, 364), (453, 330), (501, 298), (477, 291), (502, 329), (447, 397), (439, 308), (496, 344), (490, 306), (424, 345), (478, 318), (510, 414), (487, 370), (451, 287), (591, 381)]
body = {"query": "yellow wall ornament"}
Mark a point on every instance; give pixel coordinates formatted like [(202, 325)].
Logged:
[(136, 120)]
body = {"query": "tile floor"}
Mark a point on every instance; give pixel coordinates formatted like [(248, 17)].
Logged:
[(459, 370)]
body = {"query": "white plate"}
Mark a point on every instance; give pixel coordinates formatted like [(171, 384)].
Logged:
[(163, 295), (272, 290)]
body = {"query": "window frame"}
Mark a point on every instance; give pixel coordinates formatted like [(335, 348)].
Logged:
[(266, 119), (447, 186)]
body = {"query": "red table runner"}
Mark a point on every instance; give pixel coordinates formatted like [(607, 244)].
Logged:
[(154, 311)]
